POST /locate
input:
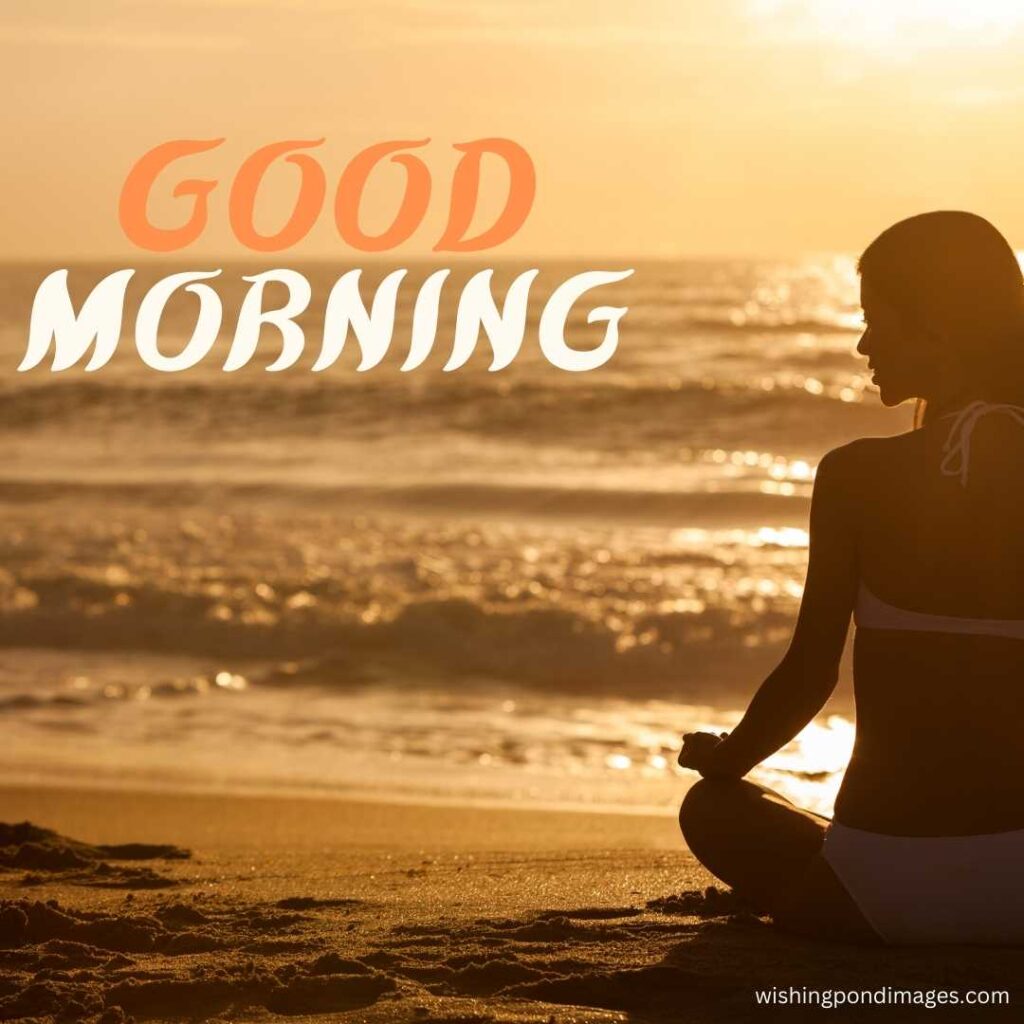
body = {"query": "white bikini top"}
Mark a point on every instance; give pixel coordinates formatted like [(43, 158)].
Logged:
[(872, 612)]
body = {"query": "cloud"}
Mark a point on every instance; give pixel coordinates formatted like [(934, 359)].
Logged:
[(980, 96), (358, 24), (100, 37), (888, 25)]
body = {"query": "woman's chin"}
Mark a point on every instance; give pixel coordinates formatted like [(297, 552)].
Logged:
[(891, 396)]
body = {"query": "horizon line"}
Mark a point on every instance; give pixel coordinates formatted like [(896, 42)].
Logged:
[(453, 258)]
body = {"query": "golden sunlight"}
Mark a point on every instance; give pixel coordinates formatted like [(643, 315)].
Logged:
[(896, 23)]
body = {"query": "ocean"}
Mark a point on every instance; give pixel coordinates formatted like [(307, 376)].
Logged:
[(463, 587)]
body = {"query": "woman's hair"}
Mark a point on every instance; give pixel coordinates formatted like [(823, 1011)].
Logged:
[(954, 276)]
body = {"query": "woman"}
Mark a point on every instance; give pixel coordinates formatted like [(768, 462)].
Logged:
[(920, 536)]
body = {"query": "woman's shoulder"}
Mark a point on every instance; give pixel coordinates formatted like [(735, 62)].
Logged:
[(869, 459), (864, 451)]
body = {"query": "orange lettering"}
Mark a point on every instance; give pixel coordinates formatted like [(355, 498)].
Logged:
[(135, 194), (466, 189), (350, 193), (242, 201)]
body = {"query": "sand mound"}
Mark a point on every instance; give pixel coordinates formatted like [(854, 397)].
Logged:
[(47, 856)]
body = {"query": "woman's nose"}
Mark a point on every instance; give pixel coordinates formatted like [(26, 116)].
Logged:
[(863, 346)]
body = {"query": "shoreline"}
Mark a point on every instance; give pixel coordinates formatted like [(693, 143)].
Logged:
[(216, 819), (335, 793)]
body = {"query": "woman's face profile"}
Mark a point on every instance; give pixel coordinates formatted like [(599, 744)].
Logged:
[(892, 351)]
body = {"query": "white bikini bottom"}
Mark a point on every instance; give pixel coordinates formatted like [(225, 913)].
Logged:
[(933, 889)]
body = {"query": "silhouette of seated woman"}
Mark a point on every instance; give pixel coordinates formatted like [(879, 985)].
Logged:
[(920, 537)]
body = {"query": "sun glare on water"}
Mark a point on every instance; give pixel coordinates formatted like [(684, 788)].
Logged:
[(808, 771), (893, 23)]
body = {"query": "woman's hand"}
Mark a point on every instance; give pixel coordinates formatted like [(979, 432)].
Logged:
[(698, 748)]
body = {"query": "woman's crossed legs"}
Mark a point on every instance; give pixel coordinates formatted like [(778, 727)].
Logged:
[(769, 852)]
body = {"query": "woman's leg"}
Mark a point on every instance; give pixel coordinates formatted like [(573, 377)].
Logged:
[(768, 851)]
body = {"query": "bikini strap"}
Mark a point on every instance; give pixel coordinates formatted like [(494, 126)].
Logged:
[(957, 449)]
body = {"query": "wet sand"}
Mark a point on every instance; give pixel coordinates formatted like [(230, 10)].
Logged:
[(320, 909)]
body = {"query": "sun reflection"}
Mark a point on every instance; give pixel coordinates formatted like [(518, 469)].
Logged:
[(785, 537), (808, 770)]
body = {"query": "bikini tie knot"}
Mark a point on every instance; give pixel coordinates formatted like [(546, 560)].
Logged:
[(957, 449)]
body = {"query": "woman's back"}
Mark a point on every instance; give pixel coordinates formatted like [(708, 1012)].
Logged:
[(940, 712), (934, 544)]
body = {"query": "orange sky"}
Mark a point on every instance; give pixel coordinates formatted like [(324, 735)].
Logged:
[(658, 127)]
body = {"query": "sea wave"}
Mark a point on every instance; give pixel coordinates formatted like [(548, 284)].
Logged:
[(611, 412), (732, 320), (720, 508), (667, 654), (583, 606)]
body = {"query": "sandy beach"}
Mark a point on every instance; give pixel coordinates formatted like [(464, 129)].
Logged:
[(263, 907)]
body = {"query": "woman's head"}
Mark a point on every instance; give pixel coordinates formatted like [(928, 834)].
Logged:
[(943, 300)]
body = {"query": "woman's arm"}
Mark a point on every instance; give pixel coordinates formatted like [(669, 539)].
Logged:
[(798, 688)]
